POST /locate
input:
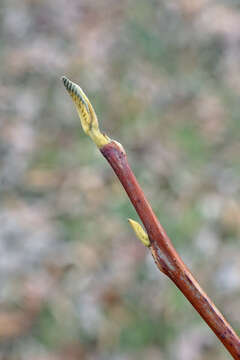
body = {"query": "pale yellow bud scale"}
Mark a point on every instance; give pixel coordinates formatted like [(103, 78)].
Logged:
[(86, 113), (140, 232)]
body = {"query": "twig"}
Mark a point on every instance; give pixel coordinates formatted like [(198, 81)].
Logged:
[(165, 256)]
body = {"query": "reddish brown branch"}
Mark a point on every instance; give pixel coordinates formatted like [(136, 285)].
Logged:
[(165, 255)]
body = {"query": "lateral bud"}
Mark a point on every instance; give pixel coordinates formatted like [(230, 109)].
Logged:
[(140, 232)]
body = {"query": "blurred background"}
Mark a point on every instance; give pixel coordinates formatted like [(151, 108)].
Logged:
[(164, 79)]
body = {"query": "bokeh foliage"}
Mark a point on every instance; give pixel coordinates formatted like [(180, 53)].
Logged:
[(163, 77)]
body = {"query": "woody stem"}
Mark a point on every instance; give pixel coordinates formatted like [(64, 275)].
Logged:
[(165, 255)]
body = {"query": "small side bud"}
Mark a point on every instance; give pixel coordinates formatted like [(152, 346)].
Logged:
[(140, 232), (86, 113)]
